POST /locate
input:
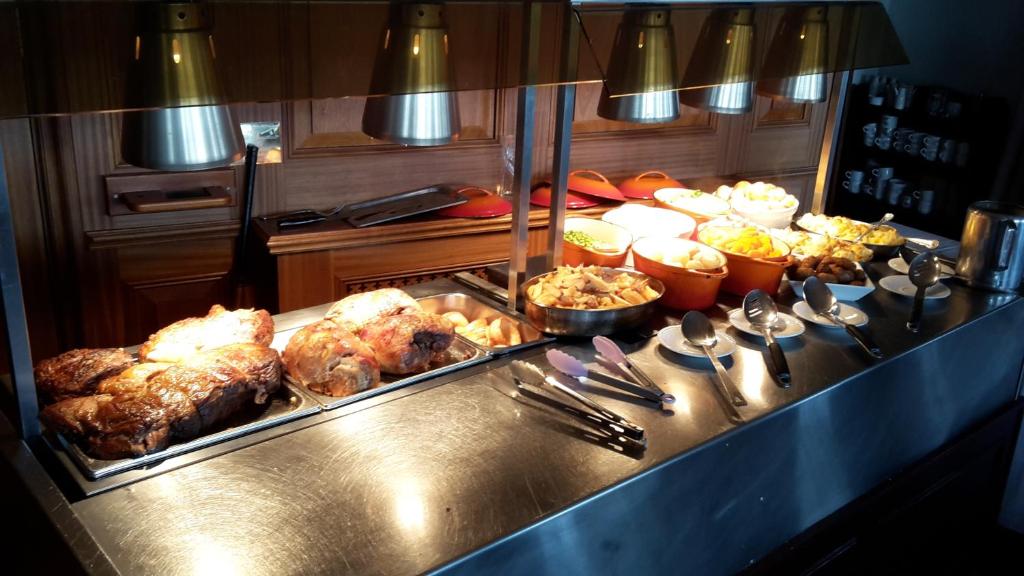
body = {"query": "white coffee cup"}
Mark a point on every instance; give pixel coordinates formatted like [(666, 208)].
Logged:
[(888, 124), (947, 154), (883, 173), (926, 200), (854, 180), (930, 141), (901, 100), (870, 131), (896, 189), (883, 142), (930, 154)]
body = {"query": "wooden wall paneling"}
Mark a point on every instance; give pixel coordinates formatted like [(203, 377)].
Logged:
[(165, 282), (13, 100), (334, 125), (586, 120), (150, 305), (76, 54), (328, 181), (683, 152), (30, 235), (304, 279), (249, 40), (53, 142), (781, 136)]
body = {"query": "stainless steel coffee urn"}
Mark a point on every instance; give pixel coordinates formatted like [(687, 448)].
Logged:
[(992, 246)]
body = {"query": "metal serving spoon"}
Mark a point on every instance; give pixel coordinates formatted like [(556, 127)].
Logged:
[(761, 312), (699, 331), (888, 217), (821, 299), (924, 273)]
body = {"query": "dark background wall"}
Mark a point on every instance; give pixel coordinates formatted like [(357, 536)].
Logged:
[(972, 46)]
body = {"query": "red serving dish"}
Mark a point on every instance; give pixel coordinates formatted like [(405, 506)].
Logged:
[(541, 196), (644, 186), (481, 204), (594, 184)]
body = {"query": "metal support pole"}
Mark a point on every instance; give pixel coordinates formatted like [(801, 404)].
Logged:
[(525, 108), (14, 314), (830, 144), (565, 108)]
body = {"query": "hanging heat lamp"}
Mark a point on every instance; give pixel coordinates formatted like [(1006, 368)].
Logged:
[(722, 64), (184, 122), (641, 82), (797, 63), (412, 77)]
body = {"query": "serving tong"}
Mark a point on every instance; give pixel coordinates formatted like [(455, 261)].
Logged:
[(572, 367), (532, 381)]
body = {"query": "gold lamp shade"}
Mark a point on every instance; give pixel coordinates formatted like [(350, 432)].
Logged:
[(413, 71), (185, 124), (722, 64), (642, 70), (797, 63)]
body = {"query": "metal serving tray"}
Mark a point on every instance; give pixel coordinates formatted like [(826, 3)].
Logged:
[(288, 403), (402, 205), (473, 308), (462, 353)]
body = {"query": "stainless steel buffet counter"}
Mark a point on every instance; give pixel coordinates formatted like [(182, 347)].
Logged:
[(456, 475)]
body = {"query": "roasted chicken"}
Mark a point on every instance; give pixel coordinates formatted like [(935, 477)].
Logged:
[(357, 310), (406, 343), (328, 359)]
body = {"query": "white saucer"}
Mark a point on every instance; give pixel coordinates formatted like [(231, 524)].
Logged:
[(900, 265), (785, 327), (904, 287), (671, 337), (847, 313)]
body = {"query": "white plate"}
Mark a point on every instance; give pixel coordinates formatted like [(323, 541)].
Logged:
[(904, 287), (786, 327), (900, 265), (846, 292), (847, 313), (671, 337)]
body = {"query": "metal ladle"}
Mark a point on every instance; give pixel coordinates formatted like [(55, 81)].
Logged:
[(761, 312), (699, 331), (821, 299), (924, 273)]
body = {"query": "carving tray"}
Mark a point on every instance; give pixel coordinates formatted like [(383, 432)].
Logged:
[(288, 403)]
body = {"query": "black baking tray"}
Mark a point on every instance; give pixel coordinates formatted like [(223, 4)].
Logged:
[(402, 205)]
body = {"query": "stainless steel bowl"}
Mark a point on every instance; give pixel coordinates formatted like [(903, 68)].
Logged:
[(573, 322), (879, 251), (884, 251)]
